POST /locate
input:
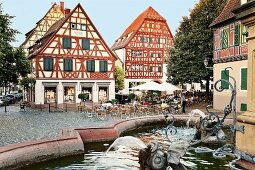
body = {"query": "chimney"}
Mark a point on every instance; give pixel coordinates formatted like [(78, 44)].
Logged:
[(67, 11), (62, 6)]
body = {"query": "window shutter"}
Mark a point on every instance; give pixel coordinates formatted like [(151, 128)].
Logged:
[(67, 43), (150, 39), (243, 107), (68, 65), (237, 35), (244, 79), (48, 64), (224, 84), (151, 68), (86, 44)]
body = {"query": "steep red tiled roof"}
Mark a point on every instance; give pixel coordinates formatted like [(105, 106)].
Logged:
[(149, 13), (226, 13)]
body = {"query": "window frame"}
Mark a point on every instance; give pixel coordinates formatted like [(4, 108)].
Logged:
[(85, 26), (73, 24)]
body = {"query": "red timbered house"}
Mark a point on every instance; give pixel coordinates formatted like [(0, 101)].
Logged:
[(71, 58), (143, 48), (230, 50)]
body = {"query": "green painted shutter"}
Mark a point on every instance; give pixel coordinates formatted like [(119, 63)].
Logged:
[(151, 68), (243, 107), (68, 65), (224, 76), (103, 66), (91, 65), (48, 64), (85, 44), (150, 39), (244, 79), (237, 35), (67, 44)]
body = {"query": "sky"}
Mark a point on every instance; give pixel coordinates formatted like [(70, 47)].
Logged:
[(111, 17)]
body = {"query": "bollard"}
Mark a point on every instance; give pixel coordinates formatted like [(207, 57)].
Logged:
[(49, 107), (5, 106), (66, 107)]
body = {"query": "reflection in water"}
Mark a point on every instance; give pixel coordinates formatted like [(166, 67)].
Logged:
[(123, 157)]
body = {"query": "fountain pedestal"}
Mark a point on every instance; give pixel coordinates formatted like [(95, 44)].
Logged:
[(245, 141)]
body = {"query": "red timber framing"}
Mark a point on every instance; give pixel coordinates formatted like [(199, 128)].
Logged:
[(229, 37), (55, 13), (146, 42), (51, 46)]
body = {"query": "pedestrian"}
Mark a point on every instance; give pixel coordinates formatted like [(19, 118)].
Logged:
[(183, 101)]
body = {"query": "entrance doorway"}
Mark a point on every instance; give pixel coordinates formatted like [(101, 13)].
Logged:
[(87, 90), (69, 94), (103, 94), (50, 95)]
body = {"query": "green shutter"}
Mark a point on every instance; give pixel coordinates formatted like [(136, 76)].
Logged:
[(237, 35), (224, 38), (48, 64), (91, 65), (151, 68), (150, 39), (103, 66), (67, 44), (224, 76), (159, 40), (243, 107), (86, 44), (68, 64), (244, 79)]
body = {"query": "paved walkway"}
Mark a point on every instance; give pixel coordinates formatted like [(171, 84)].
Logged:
[(17, 126)]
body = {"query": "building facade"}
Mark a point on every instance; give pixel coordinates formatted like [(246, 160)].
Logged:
[(142, 48), (72, 58), (230, 50)]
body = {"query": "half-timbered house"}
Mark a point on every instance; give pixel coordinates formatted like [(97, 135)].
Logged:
[(72, 58), (230, 50), (142, 48)]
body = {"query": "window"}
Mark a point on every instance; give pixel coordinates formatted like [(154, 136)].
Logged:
[(91, 65), (144, 39), (103, 66), (73, 26), (243, 78), (136, 53), (237, 35), (150, 40), (68, 65), (244, 33), (48, 64), (243, 107), (151, 69), (225, 76), (159, 69), (86, 44), (67, 43), (83, 27), (224, 38), (159, 40), (137, 67)]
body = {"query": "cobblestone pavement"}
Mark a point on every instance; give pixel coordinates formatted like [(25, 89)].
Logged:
[(17, 126)]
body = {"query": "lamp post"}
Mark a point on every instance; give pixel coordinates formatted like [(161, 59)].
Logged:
[(207, 61)]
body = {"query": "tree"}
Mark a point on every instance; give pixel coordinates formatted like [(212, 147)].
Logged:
[(193, 42), (119, 78), (13, 62)]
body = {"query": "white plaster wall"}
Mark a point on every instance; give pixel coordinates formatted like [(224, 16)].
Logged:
[(221, 99), (121, 54), (164, 72), (39, 92)]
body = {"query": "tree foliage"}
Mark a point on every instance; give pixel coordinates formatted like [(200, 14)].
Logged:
[(119, 78), (13, 62), (193, 42)]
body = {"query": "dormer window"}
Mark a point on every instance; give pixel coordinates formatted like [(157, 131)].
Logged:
[(73, 26)]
